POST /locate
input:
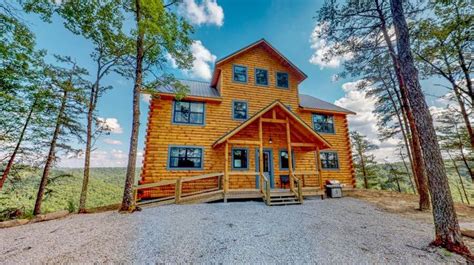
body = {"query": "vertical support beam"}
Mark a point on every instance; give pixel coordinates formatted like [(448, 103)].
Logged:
[(260, 155), (318, 169), (290, 153), (226, 171), (177, 191)]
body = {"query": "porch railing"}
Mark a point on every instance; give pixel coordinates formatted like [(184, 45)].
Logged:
[(178, 184)]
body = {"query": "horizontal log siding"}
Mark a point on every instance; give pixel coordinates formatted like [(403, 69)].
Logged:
[(161, 132)]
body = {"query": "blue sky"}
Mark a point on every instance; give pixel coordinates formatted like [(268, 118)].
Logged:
[(221, 28)]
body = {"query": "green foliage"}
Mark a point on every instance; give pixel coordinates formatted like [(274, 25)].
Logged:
[(106, 187)]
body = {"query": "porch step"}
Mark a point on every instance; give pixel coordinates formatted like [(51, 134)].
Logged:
[(284, 203), (283, 198)]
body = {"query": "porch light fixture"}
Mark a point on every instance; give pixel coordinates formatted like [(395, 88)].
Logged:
[(270, 140)]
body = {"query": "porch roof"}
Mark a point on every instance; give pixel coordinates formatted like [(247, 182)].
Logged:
[(295, 121)]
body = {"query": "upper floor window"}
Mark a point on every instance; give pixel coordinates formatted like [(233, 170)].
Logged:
[(261, 77), (240, 158), (323, 123), (185, 157), (188, 112), (282, 80), (329, 160), (240, 73), (239, 110)]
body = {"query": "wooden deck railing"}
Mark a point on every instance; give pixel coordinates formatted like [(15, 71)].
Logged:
[(305, 175), (178, 183)]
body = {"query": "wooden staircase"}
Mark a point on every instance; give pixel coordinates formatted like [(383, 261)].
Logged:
[(283, 198)]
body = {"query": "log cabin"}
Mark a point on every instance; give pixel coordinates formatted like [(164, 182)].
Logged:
[(248, 133)]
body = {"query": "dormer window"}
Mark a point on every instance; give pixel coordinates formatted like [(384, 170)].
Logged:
[(240, 73), (261, 77), (282, 80)]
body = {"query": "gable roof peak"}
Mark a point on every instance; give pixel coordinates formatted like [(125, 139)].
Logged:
[(261, 42)]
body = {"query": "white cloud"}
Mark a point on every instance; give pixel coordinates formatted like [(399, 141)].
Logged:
[(146, 98), (322, 48), (112, 141), (365, 122), (203, 59), (101, 158), (205, 12), (110, 124)]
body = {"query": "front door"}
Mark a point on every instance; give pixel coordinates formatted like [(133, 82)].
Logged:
[(267, 166)]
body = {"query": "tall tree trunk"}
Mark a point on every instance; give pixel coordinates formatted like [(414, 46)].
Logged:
[(446, 223), (399, 113), (18, 144), (364, 170), (420, 171), (87, 156), (51, 155), (128, 200), (464, 114)]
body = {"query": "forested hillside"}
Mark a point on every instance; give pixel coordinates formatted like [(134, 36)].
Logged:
[(106, 187)]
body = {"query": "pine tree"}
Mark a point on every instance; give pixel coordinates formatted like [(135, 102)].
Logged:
[(364, 161)]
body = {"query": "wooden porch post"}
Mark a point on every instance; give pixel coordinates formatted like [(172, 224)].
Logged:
[(290, 154), (318, 169), (226, 170), (260, 155)]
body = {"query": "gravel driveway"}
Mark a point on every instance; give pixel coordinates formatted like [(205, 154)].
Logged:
[(330, 231)]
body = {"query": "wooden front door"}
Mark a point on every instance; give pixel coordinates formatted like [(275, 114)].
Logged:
[(267, 166)]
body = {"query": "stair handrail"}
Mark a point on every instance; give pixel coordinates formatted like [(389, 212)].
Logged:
[(299, 188), (265, 188)]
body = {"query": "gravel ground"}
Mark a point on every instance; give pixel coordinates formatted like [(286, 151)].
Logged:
[(345, 231)]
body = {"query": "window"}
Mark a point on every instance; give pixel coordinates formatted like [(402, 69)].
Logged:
[(240, 73), (185, 157), (261, 77), (188, 112), (282, 80), (323, 123), (240, 158), (284, 159), (239, 110), (329, 160)]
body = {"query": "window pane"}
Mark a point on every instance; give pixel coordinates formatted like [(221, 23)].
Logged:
[(194, 162), (282, 80), (174, 152), (323, 123), (196, 118), (240, 158), (197, 107), (184, 112), (284, 159), (181, 117), (240, 73), (261, 76), (174, 162), (182, 106), (194, 152), (329, 160), (240, 110)]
